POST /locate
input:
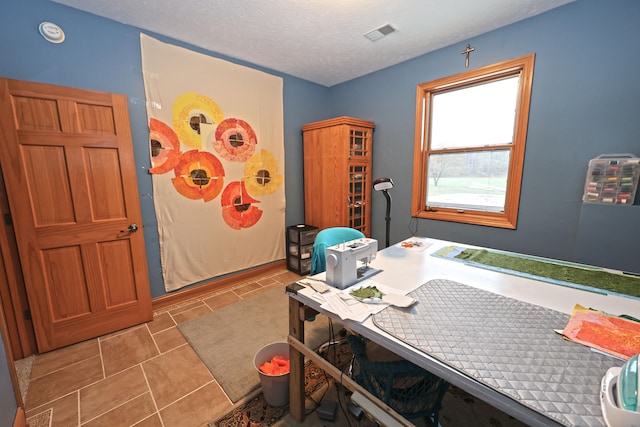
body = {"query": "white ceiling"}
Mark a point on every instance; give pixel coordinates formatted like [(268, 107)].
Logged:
[(318, 40)]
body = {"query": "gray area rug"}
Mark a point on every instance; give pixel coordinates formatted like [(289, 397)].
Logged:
[(227, 339)]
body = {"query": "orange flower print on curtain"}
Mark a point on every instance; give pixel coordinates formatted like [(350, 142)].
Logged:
[(237, 209), (165, 147), (199, 175), (235, 140)]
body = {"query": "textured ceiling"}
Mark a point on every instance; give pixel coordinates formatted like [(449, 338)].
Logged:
[(318, 40)]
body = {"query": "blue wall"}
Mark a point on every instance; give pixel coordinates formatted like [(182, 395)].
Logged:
[(8, 405)]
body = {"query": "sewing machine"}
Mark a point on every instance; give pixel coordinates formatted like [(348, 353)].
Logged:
[(348, 262)]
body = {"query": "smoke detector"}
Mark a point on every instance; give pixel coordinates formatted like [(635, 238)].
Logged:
[(378, 33), (51, 32)]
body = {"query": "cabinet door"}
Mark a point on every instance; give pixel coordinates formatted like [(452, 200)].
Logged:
[(326, 178), (358, 201), (360, 142)]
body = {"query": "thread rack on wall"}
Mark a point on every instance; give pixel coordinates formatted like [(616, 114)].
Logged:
[(612, 179)]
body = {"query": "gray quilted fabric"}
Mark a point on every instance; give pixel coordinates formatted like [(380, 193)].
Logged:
[(506, 344)]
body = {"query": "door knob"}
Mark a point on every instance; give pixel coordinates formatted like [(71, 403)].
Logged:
[(130, 229)]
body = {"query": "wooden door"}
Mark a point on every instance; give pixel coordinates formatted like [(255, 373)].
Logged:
[(13, 294), (67, 160)]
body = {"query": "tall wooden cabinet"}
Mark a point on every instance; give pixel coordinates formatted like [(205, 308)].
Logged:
[(337, 173)]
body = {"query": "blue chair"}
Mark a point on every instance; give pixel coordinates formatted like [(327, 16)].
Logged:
[(329, 237)]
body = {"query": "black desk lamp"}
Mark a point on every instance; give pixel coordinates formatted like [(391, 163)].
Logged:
[(385, 184)]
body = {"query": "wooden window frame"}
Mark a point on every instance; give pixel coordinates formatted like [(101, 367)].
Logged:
[(424, 92)]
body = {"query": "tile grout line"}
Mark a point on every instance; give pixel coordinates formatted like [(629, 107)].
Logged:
[(77, 397), (62, 367), (116, 407), (153, 399), (212, 381), (104, 376), (43, 407), (161, 330), (146, 418), (152, 338), (104, 372), (165, 329), (120, 332)]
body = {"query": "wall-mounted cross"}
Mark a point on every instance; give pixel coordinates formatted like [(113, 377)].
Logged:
[(466, 52)]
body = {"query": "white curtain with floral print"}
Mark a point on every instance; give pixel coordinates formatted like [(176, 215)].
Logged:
[(217, 159)]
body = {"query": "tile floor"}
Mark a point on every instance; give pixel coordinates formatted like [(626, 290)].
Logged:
[(129, 378)]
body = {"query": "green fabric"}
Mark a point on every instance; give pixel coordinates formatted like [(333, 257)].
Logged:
[(595, 278)]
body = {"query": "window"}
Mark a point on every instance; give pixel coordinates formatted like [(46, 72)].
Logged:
[(470, 137)]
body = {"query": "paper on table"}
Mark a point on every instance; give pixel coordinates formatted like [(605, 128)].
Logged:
[(613, 335), (345, 306)]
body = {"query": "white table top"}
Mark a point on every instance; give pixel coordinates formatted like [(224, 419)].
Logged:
[(405, 269)]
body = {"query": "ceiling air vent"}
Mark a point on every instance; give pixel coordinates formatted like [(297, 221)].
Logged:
[(381, 32)]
